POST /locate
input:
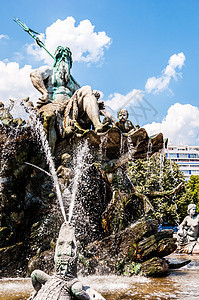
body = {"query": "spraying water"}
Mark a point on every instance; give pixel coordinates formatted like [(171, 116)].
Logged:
[(149, 152), (41, 136), (38, 168), (122, 144), (103, 145), (8, 148), (171, 167), (161, 170), (79, 163), (175, 185), (131, 147)]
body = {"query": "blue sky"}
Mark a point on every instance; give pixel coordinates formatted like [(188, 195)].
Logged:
[(140, 37)]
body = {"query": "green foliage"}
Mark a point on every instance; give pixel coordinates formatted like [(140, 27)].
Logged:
[(193, 185), (157, 173), (132, 269)]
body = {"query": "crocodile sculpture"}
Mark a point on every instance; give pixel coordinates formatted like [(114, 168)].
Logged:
[(63, 284)]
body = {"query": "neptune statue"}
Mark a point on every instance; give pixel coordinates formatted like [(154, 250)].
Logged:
[(64, 105), (58, 84)]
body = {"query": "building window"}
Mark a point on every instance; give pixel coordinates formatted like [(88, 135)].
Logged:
[(194, 156), (183, 155), (172, 155), (196, 172), (185, 171)]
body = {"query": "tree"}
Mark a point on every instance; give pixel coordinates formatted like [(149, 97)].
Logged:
[(193, 185), (160, 175)]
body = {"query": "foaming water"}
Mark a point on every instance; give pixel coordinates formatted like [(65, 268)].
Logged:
[(41, 137), (15, 288), (113, 283), (180, 284)]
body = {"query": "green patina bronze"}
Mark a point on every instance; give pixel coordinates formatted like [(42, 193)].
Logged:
[(63, 82), (31, 33), (63, 284), (41, 44)]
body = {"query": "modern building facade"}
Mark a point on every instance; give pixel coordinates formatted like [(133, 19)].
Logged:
[(187, 157)]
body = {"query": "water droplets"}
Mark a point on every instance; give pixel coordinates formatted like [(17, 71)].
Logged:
[(41, 137), (79, 163)]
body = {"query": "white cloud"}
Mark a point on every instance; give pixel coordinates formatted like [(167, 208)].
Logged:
[(159, 84), (3, 36), (15, 84), (85, 44), (180, 126), (153, 84), (116, 101)]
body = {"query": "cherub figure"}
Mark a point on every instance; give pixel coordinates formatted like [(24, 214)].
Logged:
[(63, 172), (124, 125)]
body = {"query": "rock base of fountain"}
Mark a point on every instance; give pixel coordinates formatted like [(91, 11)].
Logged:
[(190, 248), (30, 218), (139, 249)]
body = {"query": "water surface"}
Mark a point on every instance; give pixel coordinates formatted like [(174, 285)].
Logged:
[(180, 284)]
